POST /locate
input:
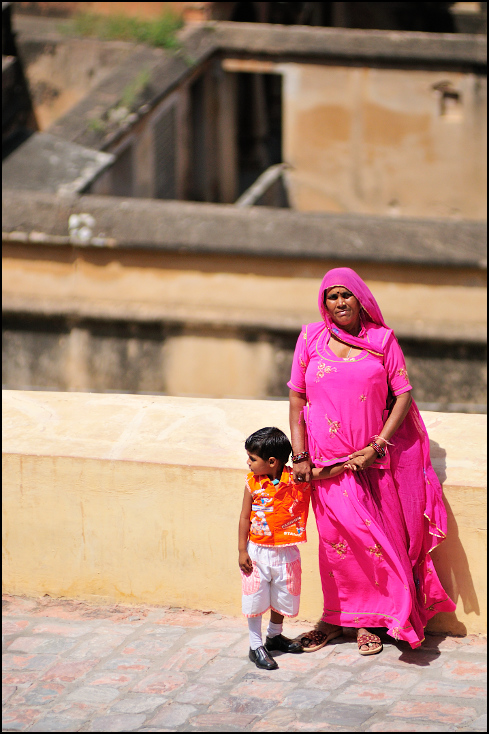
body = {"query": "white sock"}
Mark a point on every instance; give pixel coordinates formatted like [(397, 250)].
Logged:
[(274, 629), (254, 626)]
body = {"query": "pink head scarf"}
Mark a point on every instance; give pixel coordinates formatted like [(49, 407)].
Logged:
[(370, 313)]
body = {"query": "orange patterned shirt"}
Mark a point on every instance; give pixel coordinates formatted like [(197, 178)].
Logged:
[(278, 511)]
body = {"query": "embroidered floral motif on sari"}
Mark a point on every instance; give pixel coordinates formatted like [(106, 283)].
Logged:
[(340, 548), (402, 372), (324, 369), (334, 426)]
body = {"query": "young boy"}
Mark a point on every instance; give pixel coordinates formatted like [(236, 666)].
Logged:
[(271, 525)]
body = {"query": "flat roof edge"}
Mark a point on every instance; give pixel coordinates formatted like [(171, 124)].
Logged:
[(273, 39), (33, 217)]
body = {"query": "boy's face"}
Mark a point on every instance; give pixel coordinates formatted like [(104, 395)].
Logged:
[(260, 466)]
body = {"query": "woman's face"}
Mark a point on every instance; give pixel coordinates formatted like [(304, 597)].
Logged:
[(343, 308)]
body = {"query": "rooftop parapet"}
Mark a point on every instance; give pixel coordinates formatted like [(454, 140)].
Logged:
[(257, 231), (135, 499)]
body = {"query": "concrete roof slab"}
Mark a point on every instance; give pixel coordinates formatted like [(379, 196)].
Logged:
[(47, 163), (318, 42), (258, 231)]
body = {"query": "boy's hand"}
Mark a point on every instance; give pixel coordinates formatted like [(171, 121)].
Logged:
[(245, 563), (326, 472), (361, 460)]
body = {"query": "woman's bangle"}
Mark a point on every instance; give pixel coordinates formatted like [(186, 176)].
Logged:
[(381, 438), (302, 456), (378, 449)]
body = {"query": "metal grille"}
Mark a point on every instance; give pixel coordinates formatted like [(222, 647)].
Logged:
[(122, 174), (164, 132)]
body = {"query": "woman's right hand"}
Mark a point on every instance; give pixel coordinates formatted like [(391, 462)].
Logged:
[(303, 471)]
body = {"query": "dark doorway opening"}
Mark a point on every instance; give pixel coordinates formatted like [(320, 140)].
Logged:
[(433, 17), (259, 126), (236, 135)]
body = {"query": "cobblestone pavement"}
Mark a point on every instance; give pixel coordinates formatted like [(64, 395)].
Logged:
[(72, 666)]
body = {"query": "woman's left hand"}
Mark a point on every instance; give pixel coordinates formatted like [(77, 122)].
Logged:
[(360, 460)]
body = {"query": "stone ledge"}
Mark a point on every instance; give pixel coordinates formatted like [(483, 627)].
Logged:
[(258, 231), (107, 496), (275, 39), (52, 164), (353, 44)]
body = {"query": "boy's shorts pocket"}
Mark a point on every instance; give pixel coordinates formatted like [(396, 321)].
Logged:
[(294, 573), (250, 584)]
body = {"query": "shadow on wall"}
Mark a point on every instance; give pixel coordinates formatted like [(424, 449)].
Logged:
[(451, 564)]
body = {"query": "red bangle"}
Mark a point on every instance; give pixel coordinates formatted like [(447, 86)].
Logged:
[(302, 456), (378, 449)]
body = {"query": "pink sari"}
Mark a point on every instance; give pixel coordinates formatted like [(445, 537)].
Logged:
[(376, 528)]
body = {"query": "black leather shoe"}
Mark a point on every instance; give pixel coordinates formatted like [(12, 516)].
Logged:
[(262, 659), (283, 644)]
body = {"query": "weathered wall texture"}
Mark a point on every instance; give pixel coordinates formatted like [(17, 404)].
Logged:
[(189, 10), (385, 141), (105, 355), (136, 499), (219, 326), (236, 290), (63, 76), (208, 299), (372, 122)]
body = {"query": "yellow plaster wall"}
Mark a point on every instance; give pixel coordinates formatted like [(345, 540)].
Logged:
[(136, 499), (420, 302), (384, 141)]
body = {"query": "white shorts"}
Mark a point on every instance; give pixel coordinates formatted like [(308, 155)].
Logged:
[(275, 582)]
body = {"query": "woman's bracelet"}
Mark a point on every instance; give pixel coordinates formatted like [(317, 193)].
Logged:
[(302, 456), (381, 438), (378, 449)]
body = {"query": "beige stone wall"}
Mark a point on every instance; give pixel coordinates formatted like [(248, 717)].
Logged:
[(136, 499), (189, 10), (385, 141), (217, 302), (422, 302), (194, 10), (65, 71)]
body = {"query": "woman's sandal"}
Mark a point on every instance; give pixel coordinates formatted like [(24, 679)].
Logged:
[(369, 640), (315, 639)]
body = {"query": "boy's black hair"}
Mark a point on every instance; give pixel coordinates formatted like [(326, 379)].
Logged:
[(268, 442)]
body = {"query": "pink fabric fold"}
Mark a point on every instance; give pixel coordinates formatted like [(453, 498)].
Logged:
[(377, 527)]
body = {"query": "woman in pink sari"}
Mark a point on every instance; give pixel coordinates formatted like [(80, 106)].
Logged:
[(350, 404)]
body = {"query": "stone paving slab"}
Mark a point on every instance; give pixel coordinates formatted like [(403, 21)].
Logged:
[(73, 666)]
